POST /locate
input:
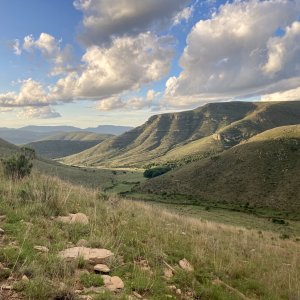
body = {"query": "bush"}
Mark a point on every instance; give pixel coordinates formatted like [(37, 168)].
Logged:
[(157, 171), (19, 166)]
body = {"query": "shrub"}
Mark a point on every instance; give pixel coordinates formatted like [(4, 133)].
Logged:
[(156, 171), (18, 167)]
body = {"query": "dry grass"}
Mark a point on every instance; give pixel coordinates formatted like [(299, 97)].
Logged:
[(259, 265)]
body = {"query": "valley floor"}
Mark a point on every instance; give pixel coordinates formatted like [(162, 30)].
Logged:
[(148, 242)]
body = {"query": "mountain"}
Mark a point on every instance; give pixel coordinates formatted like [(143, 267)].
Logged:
[(64, 144), (109, 129), (179, 138), (262, 172), (30, 134)]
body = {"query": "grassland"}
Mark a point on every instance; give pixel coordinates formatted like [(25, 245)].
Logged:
[(228, 260)]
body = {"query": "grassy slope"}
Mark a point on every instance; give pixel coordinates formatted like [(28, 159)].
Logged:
[(190, 135), (257, 264), (7, 148), (65, 144), (262, 172)]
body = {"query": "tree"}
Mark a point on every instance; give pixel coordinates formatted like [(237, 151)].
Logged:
[(19, 166), (157, 171)]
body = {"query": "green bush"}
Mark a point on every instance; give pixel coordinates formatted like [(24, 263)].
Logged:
[(156, 171), (19, 166)]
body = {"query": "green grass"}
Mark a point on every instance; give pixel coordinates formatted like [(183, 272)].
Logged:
[(257, 263)]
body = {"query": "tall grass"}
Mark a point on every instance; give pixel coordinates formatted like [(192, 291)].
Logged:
[(259, 265)]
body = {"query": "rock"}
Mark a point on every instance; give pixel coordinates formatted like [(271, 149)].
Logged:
[(1, 231), (114, 283), (172, 287), (168, 273), (41, 249), (178, 291), (137, 295), (78, 218), (82, 243), (185, 265), (25, 278), (91, 255), (102, 268), (2, 218), (6, 287)]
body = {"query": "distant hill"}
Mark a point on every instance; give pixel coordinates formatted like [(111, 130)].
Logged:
[(64, 144), (30, 134), (7, 148), (188, 136), (261, 172)]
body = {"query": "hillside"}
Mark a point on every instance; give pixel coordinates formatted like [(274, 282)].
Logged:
[(191, 135), (262, 172), (64, 144), (149, 253), (7, 148)]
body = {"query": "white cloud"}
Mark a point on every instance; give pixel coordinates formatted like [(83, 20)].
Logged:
[(236, 53), (16, 47), (126, 65), (61, 58), (31, 93), (45, 112), (107, 19), (289, 95), (183, 15)]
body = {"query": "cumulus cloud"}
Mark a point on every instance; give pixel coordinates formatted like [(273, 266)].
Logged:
[(61, 58), (236, 52), (31, 93), (46, 112), (126, 65), (106, 19)]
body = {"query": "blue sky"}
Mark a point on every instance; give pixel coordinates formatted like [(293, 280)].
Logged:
[(91, 62)]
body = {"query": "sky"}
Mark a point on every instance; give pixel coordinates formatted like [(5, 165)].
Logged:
[(92, 62)]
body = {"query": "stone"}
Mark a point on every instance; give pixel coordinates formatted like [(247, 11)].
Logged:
[(102, 268), (178, 291), (25, 278), (82, 243), (91, 255), (168, 273), (6, 287), (2, 218), (78, 218), (185, 265), (1, 231), (41, 249), (113, 284)]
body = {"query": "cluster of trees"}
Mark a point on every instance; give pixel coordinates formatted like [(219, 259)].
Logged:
[(156, 171)]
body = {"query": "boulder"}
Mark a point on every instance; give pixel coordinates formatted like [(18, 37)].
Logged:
[(1, 231), (102, 268), (185, 265), (91, 255), (78, 218), (113, 284)]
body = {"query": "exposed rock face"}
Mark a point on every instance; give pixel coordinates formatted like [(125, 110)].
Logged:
[(102, 268), (91, 255), (113, 284), (185, 265), (78, 218)]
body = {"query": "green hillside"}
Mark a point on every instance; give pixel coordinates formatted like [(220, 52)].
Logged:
[(67, 143), (262, 172), (7, 148), (191, 135)]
